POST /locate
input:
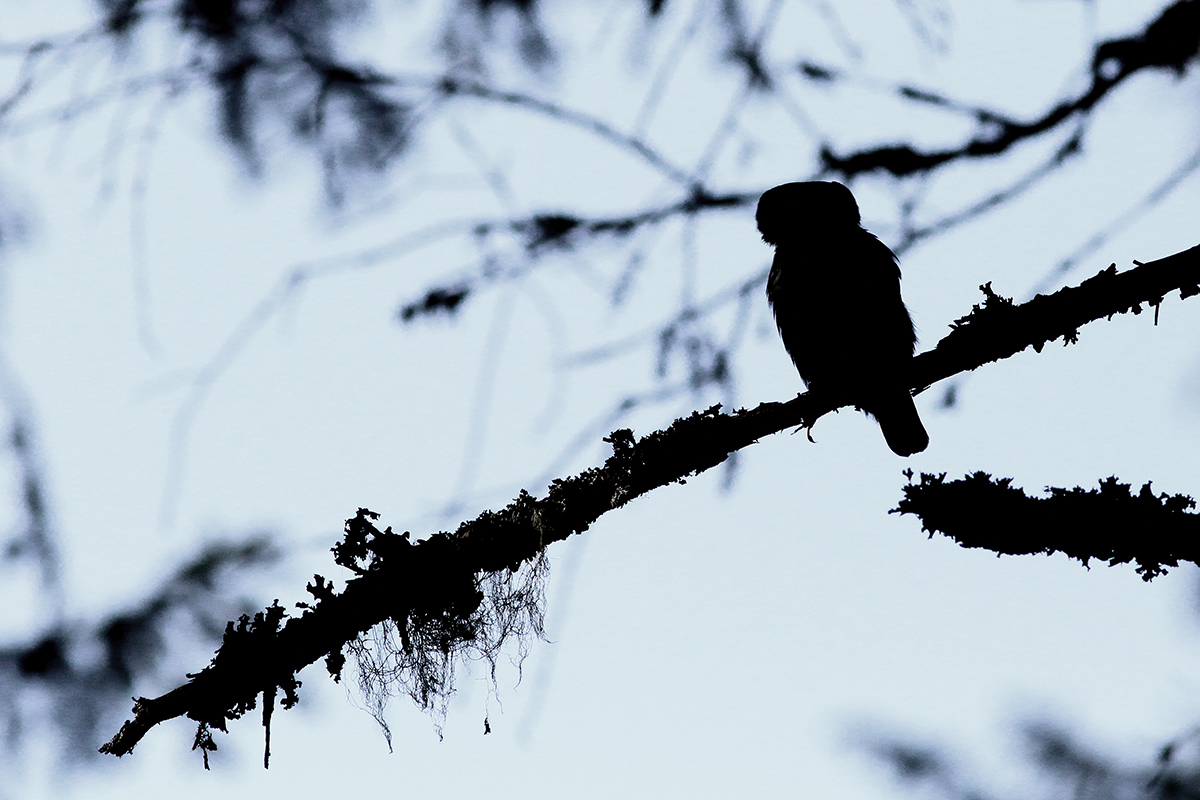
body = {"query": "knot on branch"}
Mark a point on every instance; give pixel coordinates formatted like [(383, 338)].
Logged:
[(550, 230), (438, 300)]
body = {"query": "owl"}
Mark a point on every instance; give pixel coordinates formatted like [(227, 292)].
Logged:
[(835, 291)]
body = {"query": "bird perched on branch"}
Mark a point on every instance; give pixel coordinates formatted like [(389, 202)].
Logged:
[(835, 291)]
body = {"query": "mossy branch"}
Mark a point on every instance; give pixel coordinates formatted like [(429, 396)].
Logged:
[(435, 589), (1110, 523)]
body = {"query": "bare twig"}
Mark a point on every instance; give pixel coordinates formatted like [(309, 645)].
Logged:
[(595, 125)]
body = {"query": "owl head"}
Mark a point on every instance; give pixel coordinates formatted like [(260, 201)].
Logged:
[(801, 209)]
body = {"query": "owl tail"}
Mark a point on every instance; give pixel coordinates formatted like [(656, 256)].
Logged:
[(902, 428)]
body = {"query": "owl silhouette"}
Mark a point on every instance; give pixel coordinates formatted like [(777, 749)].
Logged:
[(835, 291)]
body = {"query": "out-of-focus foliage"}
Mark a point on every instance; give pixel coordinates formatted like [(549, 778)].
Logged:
[(1056, 765), (83, 671)]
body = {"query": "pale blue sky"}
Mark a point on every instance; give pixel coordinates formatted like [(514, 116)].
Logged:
[(705, 643)]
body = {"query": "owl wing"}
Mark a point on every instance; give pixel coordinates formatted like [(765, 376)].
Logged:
[(876, 306)]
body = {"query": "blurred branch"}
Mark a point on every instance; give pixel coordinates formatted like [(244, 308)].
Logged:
[(128, 646), (736, 292), (430, 591), (173, 80), (545, 232), (1062, 765), (912, 236), (39, 534), (304, 79), (38, 538), (1170, 42), (451, 86)]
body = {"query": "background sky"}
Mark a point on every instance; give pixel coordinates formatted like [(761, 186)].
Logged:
[(705, 641)]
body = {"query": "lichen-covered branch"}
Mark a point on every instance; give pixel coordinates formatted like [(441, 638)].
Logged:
[(998, 328), (1109, 524), (433, 591)]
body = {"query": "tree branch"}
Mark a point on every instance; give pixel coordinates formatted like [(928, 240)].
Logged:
[(1170, 42), (434, 584), (451, 86), (1109, 524)]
